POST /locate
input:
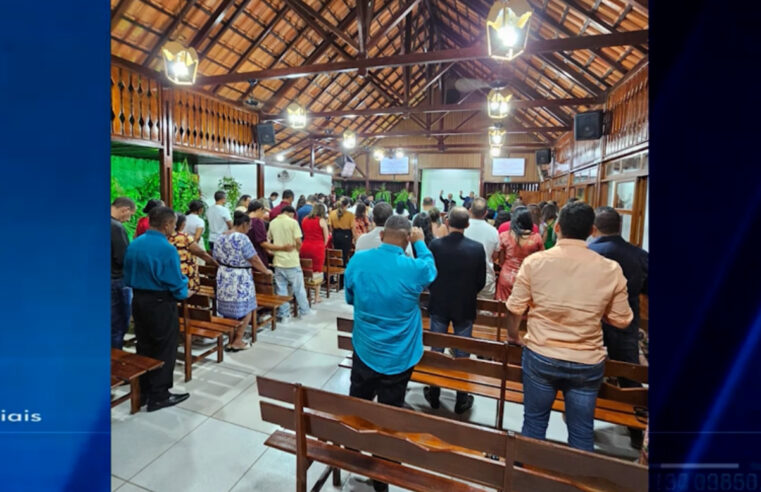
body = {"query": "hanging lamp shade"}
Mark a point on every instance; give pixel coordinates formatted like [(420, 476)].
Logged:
[(497, 135), (297, 116), (349, 139), (507, 28), (180, 63), (379, 154), (498, 103)]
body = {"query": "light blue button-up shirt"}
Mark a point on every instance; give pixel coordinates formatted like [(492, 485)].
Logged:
[(384, 287)]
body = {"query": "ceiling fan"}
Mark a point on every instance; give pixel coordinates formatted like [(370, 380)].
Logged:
[(457, 88)]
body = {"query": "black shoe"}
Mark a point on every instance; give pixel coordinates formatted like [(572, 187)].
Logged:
[(380, 486), (170, 401), (434, 402), (636, 437), (464, 405)]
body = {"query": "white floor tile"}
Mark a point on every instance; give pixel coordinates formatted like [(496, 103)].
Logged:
[(213, 385), (276, 471), (293, 333), (326, 342), (244, 410), (130, 487), (116, 482), (339, 382), (259, 359), (137, 440), (211, 458), (308, 368)]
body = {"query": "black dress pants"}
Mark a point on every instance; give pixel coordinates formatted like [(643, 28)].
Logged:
[(157, 332)]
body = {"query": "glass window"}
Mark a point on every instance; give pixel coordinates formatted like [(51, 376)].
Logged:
[(626, 226), (611, 194), (624, 195)]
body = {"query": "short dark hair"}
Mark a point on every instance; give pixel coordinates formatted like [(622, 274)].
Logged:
[(398, 223), (243, 198), (152, 203), (576, 220), (381, 213), (478, 208), (123, 201), (274, 193), (573, 199), (240, 218), (400, 208), (549, 212), (159, 216), (254, 206), (502, 217), (607, 220), (287, 209), (458, 217), (288, 194), (195, 207), (219, 195), (427, 201), (180, 222)]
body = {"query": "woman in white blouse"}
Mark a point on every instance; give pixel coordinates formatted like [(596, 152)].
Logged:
[(194, 224)]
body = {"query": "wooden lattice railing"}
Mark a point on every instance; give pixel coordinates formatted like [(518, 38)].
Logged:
[(135, 105), (629, 106)]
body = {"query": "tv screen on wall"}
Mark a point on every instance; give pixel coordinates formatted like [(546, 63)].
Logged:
[(390, 165)]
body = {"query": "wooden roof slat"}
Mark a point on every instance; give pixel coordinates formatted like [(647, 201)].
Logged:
[(168, 32), (214, 19), (396, 19), (306, 11)]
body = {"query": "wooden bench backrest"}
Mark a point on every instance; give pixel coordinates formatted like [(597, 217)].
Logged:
[(496, 317), (334, 258), (199, 307), (510, 357), (455, 449), (263, 283), (207, 271)]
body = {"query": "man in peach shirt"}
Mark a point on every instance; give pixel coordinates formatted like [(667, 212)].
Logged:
[(567, 290)]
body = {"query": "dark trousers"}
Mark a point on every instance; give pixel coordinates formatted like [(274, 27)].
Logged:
[(121, 298), (440, 324), (157, 331), (623, 345), (367, 383), (342, 239)]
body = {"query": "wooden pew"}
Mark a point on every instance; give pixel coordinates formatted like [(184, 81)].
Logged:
[(266, 299), (200, 324), (491, 318), (126, 368), (623, 406), (422, 452), (334, 266), (309, 283)]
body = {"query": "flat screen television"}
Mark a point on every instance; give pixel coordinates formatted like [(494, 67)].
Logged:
[(508, 166), (390, 165)]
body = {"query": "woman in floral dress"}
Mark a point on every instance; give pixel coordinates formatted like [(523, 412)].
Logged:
[(515, 245), (236, 297), (188, 249)]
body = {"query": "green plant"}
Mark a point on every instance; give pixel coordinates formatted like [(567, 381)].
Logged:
[(383, 195), (402, 197), (232, 187), (496, 199), (185, 187), (338, 191), (356, 192)]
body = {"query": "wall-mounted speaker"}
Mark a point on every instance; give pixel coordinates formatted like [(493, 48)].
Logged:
[(543, 156), (588, 125), (265, 134)]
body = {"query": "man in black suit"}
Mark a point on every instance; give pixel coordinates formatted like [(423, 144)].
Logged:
[(622, 345), (461, 266)]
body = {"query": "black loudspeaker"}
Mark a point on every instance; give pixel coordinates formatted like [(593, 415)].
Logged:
[(265, 134), (588, 125), (543, 156), (451, 96)]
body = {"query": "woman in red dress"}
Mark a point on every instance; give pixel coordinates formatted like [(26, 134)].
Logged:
[(142, 224), (515, 245), (315, 229)]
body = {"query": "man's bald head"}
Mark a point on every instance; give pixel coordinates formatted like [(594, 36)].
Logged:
[(478, 208), (459, 218)]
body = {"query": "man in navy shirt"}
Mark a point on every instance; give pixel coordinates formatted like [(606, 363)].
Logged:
[(152, 269), (623, 344), (305, 209)]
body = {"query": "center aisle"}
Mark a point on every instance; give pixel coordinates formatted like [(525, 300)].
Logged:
[(215, 439)]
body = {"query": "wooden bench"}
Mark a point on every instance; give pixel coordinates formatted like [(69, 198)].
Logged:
[(267, 300), (197, 321), (126, 368), (423, 452), (334, 267), (501, 378), (310, 285)]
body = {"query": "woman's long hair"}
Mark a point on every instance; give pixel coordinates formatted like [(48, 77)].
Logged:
[(423, 221), (435, 215), (521, 223), (152, 203), (342, 206), (195, 207), (361, 211), (318, 210)]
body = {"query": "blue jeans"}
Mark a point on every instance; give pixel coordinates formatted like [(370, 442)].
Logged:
[(542, 378), (293, 278), (439, 324), (121, 302)]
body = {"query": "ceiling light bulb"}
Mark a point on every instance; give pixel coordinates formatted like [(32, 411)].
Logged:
[(496, 139), (399, 153), (180, 69), (379, 154), (495, 151), (280, 157), (508, 35), (494, 105), (503, 107), (329, 169)]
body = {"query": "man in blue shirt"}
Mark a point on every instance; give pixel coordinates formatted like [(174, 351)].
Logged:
[(152, 269), (384, 286), (305, 209), (622, 345)]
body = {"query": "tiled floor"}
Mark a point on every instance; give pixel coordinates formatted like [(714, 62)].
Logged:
[(214, 441)]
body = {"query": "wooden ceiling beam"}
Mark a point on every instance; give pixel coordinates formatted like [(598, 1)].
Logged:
[(230, 22), (475, 52), (443, 108), (168, 32), (512, 130), (395, 19), (599, 23), (306, 12), (215, 18), (119, 11)]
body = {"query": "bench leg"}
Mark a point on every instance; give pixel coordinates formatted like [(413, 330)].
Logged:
[(134, 396), (188, 356), (220, 350), (336, 477)]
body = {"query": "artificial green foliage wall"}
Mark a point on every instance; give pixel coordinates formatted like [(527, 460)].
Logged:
[(138, 179)]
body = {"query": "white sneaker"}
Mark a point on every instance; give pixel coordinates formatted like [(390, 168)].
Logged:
[(311, 312)]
